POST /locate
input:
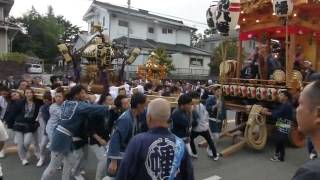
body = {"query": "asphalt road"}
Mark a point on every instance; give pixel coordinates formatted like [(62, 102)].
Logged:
[(246, 164)]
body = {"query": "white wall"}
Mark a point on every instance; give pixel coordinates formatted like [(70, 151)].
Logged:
[(165, 38), (138, 28), (182, 65), (180, 60), (183, 61), (97, 18), (183, 37)]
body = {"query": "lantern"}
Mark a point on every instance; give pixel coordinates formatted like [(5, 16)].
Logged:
[(211, 15), (226, 90), (234, 90), (228, 12), (272, 94), (243, 91), (251, 92), (282, 8), (261, 93)]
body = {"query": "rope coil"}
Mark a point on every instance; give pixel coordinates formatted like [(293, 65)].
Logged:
[(256, 139)]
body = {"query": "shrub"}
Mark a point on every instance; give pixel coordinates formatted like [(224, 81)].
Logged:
[(14, 56)]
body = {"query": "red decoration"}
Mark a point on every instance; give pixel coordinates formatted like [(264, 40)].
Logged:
[(280, 30)]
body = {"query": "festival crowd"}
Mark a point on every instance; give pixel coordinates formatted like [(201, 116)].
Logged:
[(131, 137)]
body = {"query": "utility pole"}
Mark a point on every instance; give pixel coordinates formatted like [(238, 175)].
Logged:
[(128, 39), (128, 36)]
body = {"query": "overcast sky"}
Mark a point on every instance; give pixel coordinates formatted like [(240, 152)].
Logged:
[(74, 10)]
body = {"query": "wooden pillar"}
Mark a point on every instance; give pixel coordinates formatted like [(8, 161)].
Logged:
[(317, 60), (239, 58), (268, 43), (291, 58)]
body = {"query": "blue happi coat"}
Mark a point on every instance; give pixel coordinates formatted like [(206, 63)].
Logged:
[(73, 114), (152, 155), (125, 128)]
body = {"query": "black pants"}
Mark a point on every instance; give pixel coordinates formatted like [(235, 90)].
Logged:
[(281, 139), (207, 137)]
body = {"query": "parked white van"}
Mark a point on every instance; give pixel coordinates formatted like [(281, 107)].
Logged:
[(35, 69)]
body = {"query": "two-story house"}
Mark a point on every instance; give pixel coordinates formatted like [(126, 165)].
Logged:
[(7, 29), (148, 31)]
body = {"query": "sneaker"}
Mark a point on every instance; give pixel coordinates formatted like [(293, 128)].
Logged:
[(79, 177), (209, 152), (37, 155), (313, 156), (195, 156), (276, 159), (217, 157), (2, 154), (25, 162), (40, 162)]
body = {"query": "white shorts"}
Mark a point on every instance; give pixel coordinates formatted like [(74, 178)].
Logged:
[(3, 132)]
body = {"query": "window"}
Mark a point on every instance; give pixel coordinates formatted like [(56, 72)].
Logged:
[(196, 62), (164, 31), (36, 66), (104, 21), (123, 23), (151, 30), (167, 31)]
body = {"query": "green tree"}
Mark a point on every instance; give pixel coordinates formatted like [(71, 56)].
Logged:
[(41, 33), (70, 30), (164, 59)]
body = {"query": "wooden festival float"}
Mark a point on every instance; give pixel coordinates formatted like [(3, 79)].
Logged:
[(155, 72), (152, 70), (100, 55), (293, 23)]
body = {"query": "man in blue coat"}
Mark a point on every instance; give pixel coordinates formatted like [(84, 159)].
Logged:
[(181, 118), (73, 114), (130, 123), (156, 154)]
